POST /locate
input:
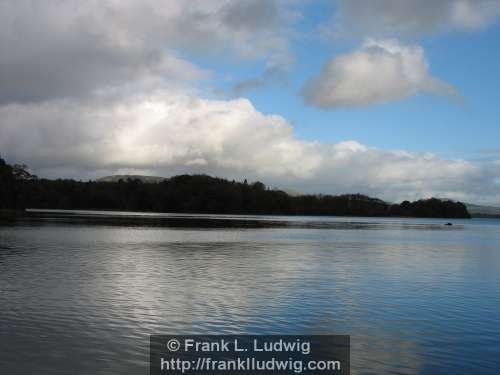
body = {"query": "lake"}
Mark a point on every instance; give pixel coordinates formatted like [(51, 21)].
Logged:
[(80, 292)]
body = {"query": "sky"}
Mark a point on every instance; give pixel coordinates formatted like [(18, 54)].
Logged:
[(394, 99)]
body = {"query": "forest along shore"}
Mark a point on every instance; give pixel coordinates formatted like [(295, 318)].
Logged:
[(200, 194)]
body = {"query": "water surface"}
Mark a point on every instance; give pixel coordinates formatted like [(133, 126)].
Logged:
[(80, 293)]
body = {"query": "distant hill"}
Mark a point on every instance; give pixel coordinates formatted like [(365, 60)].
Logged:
[(126, 177), (199, 194), (477, 210), (483, 211), (206, 194)]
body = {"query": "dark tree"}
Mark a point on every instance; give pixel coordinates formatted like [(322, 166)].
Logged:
[(199, 194), (10, 189)]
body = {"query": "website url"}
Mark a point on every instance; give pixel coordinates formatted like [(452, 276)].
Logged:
[(247, 364)]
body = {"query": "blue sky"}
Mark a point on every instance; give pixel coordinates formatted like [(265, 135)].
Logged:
[(394, 99), (422, 123)]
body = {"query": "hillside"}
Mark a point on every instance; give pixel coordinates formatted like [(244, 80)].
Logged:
[(126, 177), (199, 194), (476, 210)]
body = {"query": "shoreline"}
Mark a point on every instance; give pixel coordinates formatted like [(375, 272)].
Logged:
[(124, 212)]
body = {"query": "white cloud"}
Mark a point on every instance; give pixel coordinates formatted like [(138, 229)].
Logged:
[(170, 133), (380, 71), (155, 131), (382, 18)]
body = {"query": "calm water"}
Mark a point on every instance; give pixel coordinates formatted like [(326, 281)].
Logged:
[(81, 293)]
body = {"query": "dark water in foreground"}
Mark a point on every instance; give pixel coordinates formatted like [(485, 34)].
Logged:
[(79, 294)]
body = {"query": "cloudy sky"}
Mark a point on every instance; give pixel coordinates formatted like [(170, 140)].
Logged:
[(395, 99)]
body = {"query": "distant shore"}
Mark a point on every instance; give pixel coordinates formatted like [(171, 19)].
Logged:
[(202, 194), (6, 213)]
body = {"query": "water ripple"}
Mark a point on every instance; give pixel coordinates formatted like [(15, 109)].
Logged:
[(415, 299)]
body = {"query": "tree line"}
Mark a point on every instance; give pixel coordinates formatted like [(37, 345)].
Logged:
[(199, 194)]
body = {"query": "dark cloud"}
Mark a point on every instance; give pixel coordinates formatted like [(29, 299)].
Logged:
[(271, 76), (250, 14), (382, 18), (55, 49)]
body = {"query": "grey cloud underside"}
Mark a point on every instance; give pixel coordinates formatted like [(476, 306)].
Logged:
[(274, 75), (392, 18), (55, 49)]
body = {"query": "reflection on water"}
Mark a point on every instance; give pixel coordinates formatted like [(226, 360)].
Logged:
[(81, 293)]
